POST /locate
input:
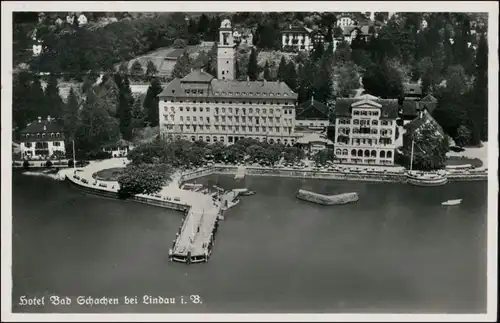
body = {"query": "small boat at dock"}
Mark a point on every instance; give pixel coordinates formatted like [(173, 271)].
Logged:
[(247, 193), (452, 202)]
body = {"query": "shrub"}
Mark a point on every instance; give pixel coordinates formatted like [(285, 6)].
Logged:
[(48, 164), (71, 163), (99, 154)]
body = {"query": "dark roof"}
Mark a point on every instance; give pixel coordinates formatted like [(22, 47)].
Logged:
[(389, 109), (205, 85), (311, 109), (412, 88), (197, 76), (43, 126), (176, 53), (410, 108), (429, 98)]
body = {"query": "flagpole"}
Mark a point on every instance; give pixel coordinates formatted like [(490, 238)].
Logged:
[(74, 162), (411, 159)]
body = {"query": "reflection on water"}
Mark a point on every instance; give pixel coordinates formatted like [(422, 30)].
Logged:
[(397, 249)]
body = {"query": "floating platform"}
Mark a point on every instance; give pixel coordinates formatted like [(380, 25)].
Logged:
[(327, 199)]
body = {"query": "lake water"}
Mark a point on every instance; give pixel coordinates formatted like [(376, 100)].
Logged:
[(395, 250)]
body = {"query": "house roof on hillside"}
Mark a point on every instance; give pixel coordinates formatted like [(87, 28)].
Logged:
[(202, 84), (389, 108), (429, 98), (363, 30), (311, 109), (412, 89)]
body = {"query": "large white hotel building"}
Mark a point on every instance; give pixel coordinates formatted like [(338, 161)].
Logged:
[(365, 130), (202, 107)]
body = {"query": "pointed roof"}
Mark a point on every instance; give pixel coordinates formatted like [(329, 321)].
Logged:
[(197, 76), (311, 109), (366, 102), (429, 98), (367, 97)]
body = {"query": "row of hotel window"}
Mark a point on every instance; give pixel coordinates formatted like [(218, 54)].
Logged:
[(230, 128), (375, 113), (229, 110), (365, 122), (364, 153), (202, 92), (229, 119), (359, 142), (372, 131), (41, 144), (43, 135), (229, 139)]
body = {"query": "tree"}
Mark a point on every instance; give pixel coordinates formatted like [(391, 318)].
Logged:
[(282, 67), (253, 68), (144, 179), (212, 60), (463, 136), (124, 110), (430, 148), (151, 71), (123, 68), (267, 72), (203, 24), (347, 80), (138, 114), (290, 75), (480, 91), (318, 52), (384, 81), (324, 155), (237, 73), (70, 115), (23, 111), (272, 154), (179, 43), (151, 102), (182, 66), (136, 71)]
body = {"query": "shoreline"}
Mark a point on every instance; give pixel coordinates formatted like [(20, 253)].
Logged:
[(387, 177)]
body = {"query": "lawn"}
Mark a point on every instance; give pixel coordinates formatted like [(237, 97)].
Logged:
[(110, 174), (455, 160)]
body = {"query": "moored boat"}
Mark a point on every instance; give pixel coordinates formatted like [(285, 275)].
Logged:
[(419, 178), (452, 202)]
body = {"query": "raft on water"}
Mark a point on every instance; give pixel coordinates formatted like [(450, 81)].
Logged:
[(327, 199)]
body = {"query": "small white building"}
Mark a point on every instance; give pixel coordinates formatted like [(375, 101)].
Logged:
[(59, 21), (70, 19), (423, 24), (41, 139), (296, 39), (314, 142), (82, 20), (37, 49), (344, 21), (119, 148)]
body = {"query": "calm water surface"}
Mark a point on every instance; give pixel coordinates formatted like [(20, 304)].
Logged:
[(396, 250)]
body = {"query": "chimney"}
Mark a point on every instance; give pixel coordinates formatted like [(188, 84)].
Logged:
[(48, 118), (248, 78), (312, 99), (290, 26), (39, 119)]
